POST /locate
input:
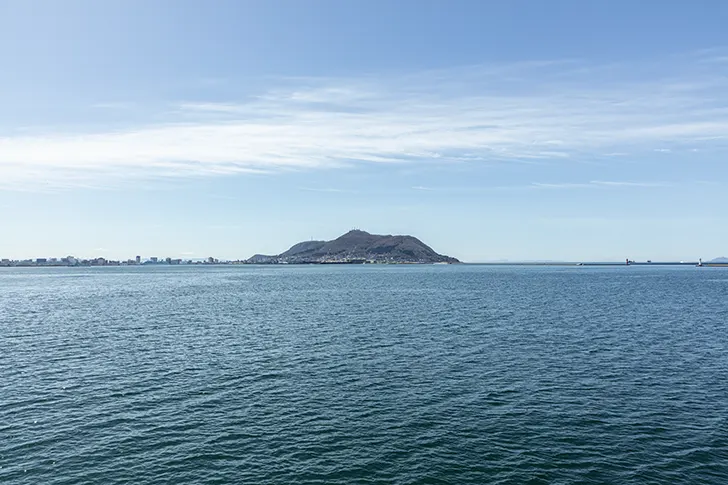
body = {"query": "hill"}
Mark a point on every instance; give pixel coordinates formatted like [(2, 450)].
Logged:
[(722, 259), (357, 247)]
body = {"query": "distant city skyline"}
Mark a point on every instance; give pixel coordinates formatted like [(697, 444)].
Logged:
[(101, 261), (71, 260), (519, 130)]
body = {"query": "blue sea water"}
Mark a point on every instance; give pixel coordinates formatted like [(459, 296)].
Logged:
[(364, 375)]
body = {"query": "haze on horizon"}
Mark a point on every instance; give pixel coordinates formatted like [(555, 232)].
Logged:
[(519, 130)]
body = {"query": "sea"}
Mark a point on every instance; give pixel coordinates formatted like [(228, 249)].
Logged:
[(364, 374)]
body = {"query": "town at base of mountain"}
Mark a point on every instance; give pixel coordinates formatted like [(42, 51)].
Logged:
[(357, 246)]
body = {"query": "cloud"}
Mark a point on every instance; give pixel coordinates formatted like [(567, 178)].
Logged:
[(605, 183), (599, 183), (594, 184), (516, 113), (561, 185), (211, 107)]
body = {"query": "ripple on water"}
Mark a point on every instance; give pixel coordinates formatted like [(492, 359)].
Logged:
[(432, 374)]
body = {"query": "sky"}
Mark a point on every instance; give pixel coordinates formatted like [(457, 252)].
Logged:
[(492, 130)]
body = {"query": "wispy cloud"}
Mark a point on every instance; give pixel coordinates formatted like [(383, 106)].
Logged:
[(606, 183), (593, 184), (212, 107), (600, 183), (517, 113), (540, 185)]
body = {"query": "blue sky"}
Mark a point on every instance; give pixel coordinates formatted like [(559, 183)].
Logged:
[(491, 130)]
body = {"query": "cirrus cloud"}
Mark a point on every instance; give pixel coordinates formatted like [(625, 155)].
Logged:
[(514, 113)]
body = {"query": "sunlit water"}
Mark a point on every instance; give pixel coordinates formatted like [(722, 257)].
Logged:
[(364, 375)]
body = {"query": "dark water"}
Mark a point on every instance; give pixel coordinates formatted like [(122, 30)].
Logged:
[(364, 375)]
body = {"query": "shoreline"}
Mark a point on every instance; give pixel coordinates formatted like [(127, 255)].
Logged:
[(358, 263)]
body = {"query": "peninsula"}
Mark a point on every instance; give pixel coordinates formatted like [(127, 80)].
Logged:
[(357, 247)]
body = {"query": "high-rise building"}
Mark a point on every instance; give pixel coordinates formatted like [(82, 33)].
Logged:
[(138, 259)]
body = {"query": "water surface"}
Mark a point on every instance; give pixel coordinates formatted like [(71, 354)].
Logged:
[(363, 375)]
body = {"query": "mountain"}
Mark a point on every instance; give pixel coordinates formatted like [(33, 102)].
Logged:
[(722, 259), (358, 246)]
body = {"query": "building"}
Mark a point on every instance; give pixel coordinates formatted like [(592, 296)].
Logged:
[(138, 259)]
